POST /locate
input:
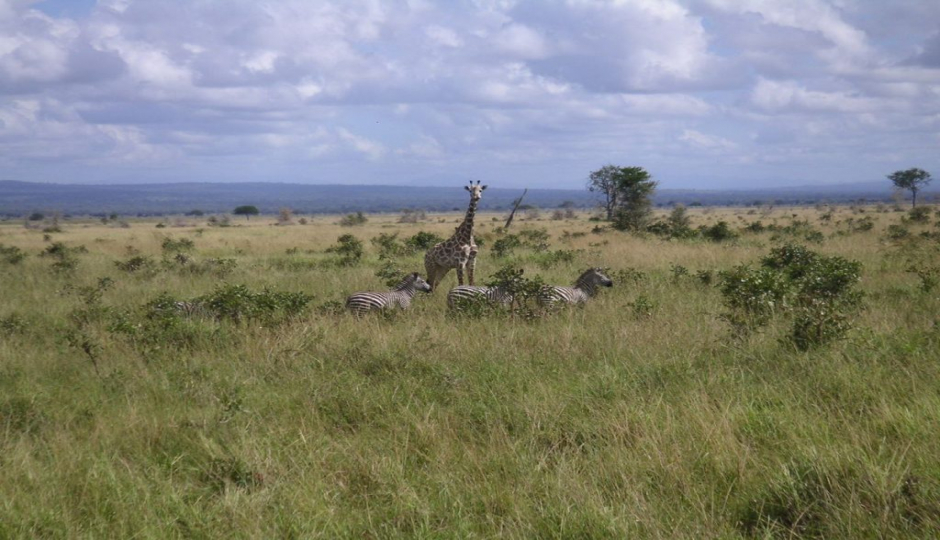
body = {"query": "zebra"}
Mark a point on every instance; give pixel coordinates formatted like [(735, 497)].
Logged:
[(584, 288), (362, 302), (462, 295), (193, 308)]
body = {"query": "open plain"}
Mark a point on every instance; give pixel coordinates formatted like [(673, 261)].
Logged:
[(643, 414)]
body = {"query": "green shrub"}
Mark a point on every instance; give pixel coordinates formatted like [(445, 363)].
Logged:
[(817, 291), (349, 249), (139, 264), (351, 220), (550, 259), (389, 246), (505, 245), (718, 232), (642, 307), (13, 323), (423, 240), (755, 227), (898, 232), (11, 254), (523, 290), (238, 303), (919, 214), (183, 245)]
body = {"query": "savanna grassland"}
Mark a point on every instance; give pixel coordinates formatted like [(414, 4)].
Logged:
[(655, 411)]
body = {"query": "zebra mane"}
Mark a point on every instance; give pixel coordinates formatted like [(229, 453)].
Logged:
[(407, 282), (588, 280)]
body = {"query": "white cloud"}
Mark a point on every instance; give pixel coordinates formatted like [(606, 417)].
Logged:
[(709, 142), (494, 86)]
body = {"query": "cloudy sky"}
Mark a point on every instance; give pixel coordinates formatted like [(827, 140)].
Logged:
[(702, 93)]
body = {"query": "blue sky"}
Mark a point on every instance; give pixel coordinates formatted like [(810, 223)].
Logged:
[(702, 93)]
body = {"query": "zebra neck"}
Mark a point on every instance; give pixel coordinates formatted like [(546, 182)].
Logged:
[(588, 287)]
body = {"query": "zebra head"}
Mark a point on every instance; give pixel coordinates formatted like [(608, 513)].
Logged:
[(592, 277), (476, 191), (420, 284), (413, 281)]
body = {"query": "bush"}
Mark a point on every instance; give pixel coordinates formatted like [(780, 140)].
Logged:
[(389, 246), (718, 232), (505, 245), (523, 290), (817, 291), (11, 254), (138, 264), (350, 220), (919, 214), (409, 215), (183, 245), (423, 241), (898, 232), (349, 249), (235, 303)]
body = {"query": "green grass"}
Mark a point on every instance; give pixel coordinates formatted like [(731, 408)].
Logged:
[(590, 423)]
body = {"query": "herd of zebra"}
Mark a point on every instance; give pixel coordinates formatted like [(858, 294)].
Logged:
[(459, 252), (400, 297)]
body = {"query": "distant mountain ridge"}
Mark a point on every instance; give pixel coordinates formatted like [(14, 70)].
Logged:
[(18, 198)]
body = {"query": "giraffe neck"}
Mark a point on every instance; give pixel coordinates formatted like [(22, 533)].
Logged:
[(465, 231)]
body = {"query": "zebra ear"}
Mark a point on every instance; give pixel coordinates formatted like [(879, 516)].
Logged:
[(415, 275)]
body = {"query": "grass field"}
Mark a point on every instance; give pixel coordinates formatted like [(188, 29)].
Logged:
[(639, 415)]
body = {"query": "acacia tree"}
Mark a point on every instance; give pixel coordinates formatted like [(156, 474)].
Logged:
[(603, 181), (912, 180), (247, 211), (634, 189)]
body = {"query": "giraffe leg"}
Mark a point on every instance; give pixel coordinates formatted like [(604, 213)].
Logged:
[(471, 266), (460, 274)]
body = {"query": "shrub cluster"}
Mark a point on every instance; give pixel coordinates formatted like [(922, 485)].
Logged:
[(817, 292)]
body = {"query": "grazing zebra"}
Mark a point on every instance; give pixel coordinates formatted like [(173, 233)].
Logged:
[(584, 288), (464, 294), (401, 295)]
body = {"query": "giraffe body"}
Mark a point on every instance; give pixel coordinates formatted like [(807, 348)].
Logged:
[(459, 251)]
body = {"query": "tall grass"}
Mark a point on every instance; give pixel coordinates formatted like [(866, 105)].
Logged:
[(599, 422)]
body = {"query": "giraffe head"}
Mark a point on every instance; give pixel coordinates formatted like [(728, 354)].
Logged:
[(476, 191)]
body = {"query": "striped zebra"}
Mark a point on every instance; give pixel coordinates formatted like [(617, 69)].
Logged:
[(462, 295), (401, 295), (194, 308), (584, 288)]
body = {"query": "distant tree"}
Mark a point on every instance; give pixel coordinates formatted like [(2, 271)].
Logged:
[(634, 193), (912, 180), (603, 181), (195, 212), (285, 216), (37, 216), (350, 220), (247, 211)]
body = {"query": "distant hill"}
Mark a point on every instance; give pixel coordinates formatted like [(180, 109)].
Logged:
[(18, 198)]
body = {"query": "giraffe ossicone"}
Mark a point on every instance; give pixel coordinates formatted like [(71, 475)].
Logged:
[(459, 251)]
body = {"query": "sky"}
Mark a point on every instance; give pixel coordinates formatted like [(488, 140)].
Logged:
[(704, 94)]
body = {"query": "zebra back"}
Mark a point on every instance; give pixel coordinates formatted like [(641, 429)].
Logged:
[(584, 288), (463, 294), (399, 296)]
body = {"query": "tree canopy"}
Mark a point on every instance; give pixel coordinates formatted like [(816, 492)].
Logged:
[(912, 180), (247, 211)]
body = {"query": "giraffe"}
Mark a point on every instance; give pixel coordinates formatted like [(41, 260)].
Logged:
[(459, 251)]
